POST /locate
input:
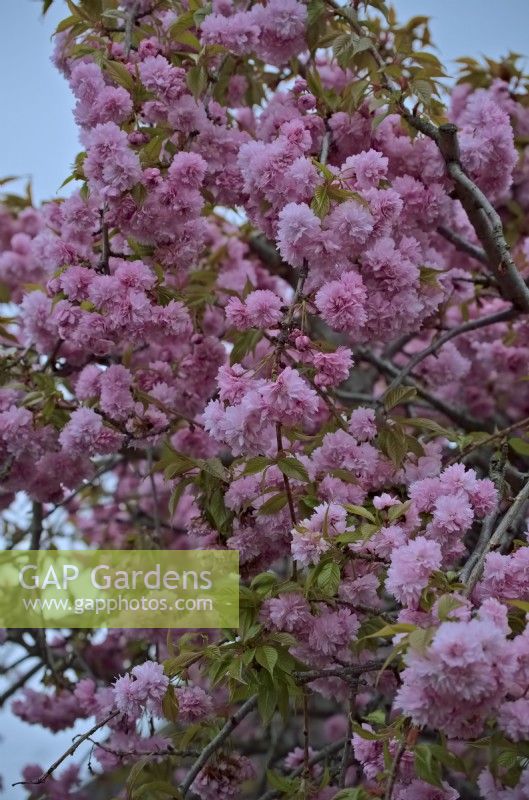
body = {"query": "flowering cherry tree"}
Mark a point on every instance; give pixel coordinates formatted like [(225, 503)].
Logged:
[(284, 312)]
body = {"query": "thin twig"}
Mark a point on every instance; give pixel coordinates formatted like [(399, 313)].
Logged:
[(472, 325), (216, 742), (129, 27), (346, 753), (71, 750), (323, 754), (306, 739), (458, 416), (394, 771), (19, 683)]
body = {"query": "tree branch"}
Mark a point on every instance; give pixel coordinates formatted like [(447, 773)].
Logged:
[(495, 539), (472, 325), (463, 244), (216, 742), (71, 750), (324, 753), (465, 421), (307, 676)]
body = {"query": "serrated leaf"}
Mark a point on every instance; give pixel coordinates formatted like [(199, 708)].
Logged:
[(446, 604), (267, 656), (359, 511), (521, 604), (170, 704), (328, 579), (399, 510), (357, 793), (398, 395), (392, 630), (321, 202), (293, 468), (274, 504), (120, 74), (183, 23), (245, 343), (266, 701), (426, 765), (256, 464), (189, 39), (197, 80), (393, 443)]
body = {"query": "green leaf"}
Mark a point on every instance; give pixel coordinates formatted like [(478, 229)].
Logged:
[(280, 782), (351, 794), (150, 153), (170, 704), (64, 24), (120, 74), (393, 443), (426, 765), (274, 504), (266, 700), (321, 202), (391, 630), (519, 445), (197, 80), (256, 464), (245, 343), (157, 790), (189, 39), (267, 657), (522, 604), (446, 604), (398, 395), (183, 23), (328, 579), (398, 511), (359, 511), (293, 468)]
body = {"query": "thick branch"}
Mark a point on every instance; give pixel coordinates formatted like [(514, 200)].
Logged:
[(480, 211), (496, 537), (345, 673), (36, 526)]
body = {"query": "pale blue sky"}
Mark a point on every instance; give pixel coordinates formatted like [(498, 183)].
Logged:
[(37, 134), (38, 137)]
